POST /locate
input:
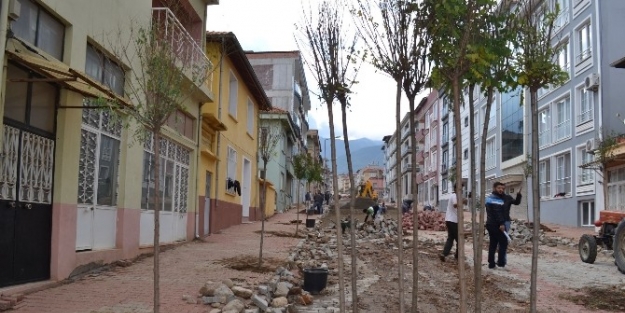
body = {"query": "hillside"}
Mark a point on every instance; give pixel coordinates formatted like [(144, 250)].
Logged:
[(364, 152)]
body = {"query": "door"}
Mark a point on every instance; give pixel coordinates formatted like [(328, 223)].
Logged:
[(246, 187), (207, 203), (26, 170)]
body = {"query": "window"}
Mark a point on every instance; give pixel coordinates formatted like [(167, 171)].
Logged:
[(444, 161), (231, 172), (585, 106), (39, 28), (174, 176), (445, 133), (586, 175), (563, 13), (492, 122), (563, 174), (466, 121), (250, 117), (444, 185), (434, 161), (476, 123), (99, 159), (446, 106), (233, 95), (104, 70), (562, 56), (562, 127), (512, 137), (544, 177), (491, 153), (587, 209), (544, 128), (465, 154), (616, 189), (584, 44)]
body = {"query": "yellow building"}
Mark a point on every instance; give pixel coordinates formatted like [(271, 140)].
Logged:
[(75, 187), (228, 185)]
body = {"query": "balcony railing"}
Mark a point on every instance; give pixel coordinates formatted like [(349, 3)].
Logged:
[(188, 51), (406, 167)]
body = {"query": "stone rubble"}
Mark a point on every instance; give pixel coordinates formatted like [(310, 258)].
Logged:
[(427, 220)]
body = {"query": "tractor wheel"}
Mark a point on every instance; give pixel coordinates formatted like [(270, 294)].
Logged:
[(588, 249), (619, 246)]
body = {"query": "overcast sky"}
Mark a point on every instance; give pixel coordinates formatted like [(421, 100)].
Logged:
[(269, 25)]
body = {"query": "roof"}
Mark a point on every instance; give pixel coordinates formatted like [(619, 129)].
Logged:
[(237, 55), (620, 63), (275, 54)]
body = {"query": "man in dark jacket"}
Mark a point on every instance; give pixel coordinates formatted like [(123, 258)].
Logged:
[(495, 224), (318, 198)]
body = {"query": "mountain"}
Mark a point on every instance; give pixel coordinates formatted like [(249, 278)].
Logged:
[(364, 152)]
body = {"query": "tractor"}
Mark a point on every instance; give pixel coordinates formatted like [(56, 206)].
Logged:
[(611, 236)]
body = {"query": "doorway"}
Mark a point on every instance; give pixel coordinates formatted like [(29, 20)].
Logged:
[(246, 188), (26, 178), (207, 203)]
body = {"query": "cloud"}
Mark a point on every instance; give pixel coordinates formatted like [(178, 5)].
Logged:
[(260, 26)]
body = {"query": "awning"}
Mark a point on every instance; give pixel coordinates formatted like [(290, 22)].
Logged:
[(60, 73), (616, 158), (212, 121), (508, 178)]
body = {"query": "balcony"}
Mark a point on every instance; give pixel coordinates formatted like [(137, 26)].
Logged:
[(421, 134), (443, 169), (420, 156), (406, 167), (189, 53)]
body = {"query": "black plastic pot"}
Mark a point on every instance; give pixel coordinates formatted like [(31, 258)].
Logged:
[(315, 280), (310, 222)]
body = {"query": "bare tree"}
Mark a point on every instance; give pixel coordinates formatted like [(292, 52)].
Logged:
[(393, 33), (270, 136), (164, 75), (318, 44), (534, 25)]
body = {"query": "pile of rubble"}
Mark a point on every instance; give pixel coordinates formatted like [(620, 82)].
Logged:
[(279, 294), (521, 234), (427, 220)]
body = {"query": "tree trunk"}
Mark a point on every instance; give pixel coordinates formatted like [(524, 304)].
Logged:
[(480, 237), (458, 189), (157, 217), (337, 211), (398, 165), (477, 262), (352, 203), (263, 204), (415, 211), (535, 199)]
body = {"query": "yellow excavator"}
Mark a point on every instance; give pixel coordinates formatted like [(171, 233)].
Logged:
[(366, 191)]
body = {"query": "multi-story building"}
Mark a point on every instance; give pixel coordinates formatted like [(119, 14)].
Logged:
[(404, 179), (314, 150), (428, 150), (281, 74), (228, 188), (75, 186)]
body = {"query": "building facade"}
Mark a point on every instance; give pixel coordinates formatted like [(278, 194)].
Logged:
[(84, 180), (429, 149)]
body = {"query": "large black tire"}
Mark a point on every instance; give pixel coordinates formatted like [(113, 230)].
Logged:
[(619, 246), (588, 249)]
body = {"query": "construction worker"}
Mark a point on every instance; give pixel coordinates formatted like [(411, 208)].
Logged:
[(451, 221)]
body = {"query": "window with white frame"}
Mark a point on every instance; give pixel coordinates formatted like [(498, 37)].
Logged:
[(585, 105), (563, 56), (231, 172), (562, 116), (584, 43), (250, 117), (444, 185), (616, 189), (586, 175), (587, 211), (434, 161), (491, 153), (233, 93), (563, 174), (544, 127), (544, 178), (476, 123), (563, 13), (493, 117), (174, 176)]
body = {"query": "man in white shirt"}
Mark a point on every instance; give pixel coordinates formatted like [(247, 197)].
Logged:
[(451, 221)]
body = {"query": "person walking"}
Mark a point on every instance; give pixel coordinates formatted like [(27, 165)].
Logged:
[(327, 197), (318, 202), (451, 222), (496, 226)]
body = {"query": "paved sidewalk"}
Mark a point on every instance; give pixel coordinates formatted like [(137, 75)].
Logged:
[(183, 271)]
